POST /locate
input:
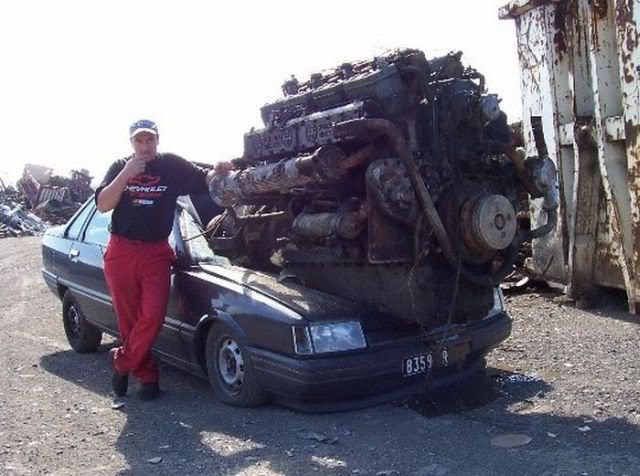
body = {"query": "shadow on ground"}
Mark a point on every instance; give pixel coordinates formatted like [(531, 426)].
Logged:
[(490, 387), (193, 433), (604, 302)]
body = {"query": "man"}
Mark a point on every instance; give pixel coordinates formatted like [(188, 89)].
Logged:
[(142, 191)]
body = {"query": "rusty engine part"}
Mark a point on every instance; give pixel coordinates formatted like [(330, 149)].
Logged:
[(386, 177)]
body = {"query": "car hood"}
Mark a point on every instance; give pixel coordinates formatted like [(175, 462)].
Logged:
[(310, 303), (55, 230)]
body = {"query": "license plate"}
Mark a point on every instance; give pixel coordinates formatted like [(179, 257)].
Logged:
[(421, 363)]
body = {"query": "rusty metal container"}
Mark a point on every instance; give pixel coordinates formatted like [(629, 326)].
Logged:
[(580, 63)]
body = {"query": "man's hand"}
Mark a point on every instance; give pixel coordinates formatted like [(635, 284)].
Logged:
[(133, 167), (109, 197), (221, 168)]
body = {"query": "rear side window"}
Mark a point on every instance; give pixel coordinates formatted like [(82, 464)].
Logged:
[(73, 232), (97, 231)]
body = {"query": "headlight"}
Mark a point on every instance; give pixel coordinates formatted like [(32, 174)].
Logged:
[(337, 337), (328, 337), (302, 341)]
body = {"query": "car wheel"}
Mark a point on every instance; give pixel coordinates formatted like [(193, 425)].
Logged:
[(82, 335), (230, 368)]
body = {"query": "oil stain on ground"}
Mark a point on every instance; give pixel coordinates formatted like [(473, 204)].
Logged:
[(493, 386)]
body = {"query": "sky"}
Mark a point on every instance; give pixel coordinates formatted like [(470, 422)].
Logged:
[(74, 74)]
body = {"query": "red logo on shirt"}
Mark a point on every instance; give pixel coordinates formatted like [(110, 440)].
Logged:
[(144, 180), (144, 188)]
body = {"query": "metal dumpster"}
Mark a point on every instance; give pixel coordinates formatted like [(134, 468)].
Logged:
[(580, 63)]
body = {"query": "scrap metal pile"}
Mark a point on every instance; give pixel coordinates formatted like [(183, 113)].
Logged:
[(14, 221), (384, 181), (41, 199)]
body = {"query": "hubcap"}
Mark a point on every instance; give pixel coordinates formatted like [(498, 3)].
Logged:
[(231, 364), (74, 321)]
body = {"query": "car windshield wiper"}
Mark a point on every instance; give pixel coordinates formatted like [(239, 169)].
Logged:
[(212, 229), (189, 238)]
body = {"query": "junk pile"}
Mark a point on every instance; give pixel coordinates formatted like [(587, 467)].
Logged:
[(41, 199), (16, 222)]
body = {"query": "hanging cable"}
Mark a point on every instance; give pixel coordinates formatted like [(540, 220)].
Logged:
[(428, 377)]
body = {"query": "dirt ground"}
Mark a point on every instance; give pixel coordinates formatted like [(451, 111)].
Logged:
[(560, 397)]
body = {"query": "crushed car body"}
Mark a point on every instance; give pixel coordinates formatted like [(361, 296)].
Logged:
[(258, 338), (357, 258)]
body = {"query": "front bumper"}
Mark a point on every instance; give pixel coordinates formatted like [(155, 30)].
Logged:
[(356, 380)]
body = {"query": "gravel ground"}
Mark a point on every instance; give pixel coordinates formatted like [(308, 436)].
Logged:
[(560, 397)]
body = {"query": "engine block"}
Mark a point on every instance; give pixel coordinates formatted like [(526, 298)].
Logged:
[(397, 172)]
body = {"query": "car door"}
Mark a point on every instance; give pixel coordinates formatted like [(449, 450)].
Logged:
[(170, 342), (87, 264), (193, 298), (58, 255)]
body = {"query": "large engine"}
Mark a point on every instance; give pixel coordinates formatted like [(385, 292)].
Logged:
[(393, 182)]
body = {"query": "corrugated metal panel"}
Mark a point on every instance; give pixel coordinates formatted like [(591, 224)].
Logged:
[(48, 192)]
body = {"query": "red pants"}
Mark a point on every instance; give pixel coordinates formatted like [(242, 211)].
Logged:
[(138, 275)]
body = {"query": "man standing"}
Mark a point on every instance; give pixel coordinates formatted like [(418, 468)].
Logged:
[(142, 191)]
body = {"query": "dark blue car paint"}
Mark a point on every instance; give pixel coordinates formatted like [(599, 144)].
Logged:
[(263, 311)]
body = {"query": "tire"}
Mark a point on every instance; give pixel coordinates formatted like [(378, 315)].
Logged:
[(230, 368), (83, 336)]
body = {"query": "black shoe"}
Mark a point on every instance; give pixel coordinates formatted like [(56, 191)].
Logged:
[(119, 383), (149, 391)]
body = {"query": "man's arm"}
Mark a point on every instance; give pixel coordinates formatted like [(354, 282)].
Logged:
[(192, 178), (109, 196)]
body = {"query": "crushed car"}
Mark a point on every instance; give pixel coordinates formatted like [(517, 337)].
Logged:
[(258, 338), (357, 254)]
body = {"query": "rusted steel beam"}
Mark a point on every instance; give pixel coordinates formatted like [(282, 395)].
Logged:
[(586, 178), (547, 103), (611, 155), (627, 38)]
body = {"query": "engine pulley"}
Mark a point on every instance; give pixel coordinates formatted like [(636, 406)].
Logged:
[(488, 223)]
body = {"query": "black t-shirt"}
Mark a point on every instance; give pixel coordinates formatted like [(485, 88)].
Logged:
[(147, 206)]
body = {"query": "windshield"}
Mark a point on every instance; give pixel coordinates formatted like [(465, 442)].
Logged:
[(195, 242)]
